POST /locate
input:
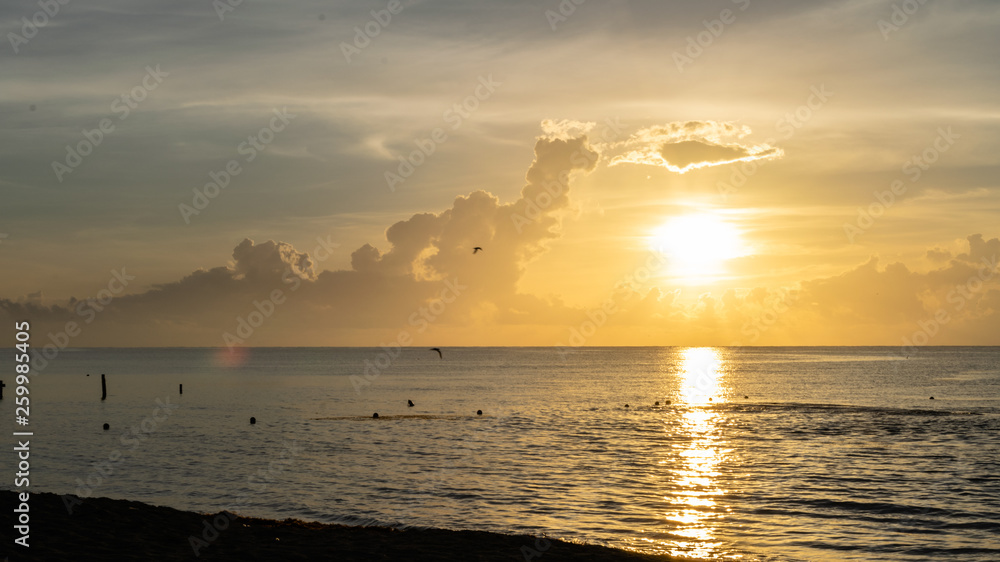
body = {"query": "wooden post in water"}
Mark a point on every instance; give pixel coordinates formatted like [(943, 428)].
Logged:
[(181, 388), (1, 390), (104, 387)]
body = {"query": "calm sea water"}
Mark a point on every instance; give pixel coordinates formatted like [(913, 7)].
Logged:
[(752, 453)]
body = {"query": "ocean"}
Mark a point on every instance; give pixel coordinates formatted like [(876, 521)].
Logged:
[(825, 453)]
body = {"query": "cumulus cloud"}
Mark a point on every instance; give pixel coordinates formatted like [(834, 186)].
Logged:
[(566, 129), (938, 254), (431, 246), (400, 283), (684, 146), (270, 260), (980, 249), (870, 303), (383, 289), (385, 292)]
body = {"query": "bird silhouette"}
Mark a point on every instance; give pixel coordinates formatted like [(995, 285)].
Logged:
[(476, 250), (409, 403), (437, 349)]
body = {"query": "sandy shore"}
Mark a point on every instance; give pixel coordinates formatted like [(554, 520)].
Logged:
[(105, 529)]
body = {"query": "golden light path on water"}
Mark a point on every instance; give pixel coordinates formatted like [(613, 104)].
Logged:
[(693, 508)]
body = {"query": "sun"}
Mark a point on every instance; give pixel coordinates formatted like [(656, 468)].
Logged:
[(697, 246)]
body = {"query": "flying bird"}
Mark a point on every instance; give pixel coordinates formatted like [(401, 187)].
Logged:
[(476, 250), (437, 349)]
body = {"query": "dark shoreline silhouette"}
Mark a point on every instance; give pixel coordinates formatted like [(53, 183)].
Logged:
[(106, 529)]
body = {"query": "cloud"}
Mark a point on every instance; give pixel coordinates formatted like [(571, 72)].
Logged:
[(270, 261), (385, 292), (566, 129), (980, 249), (869, 304), (396, 283), (383, 288), (431, 246), (882, 305), (938, 254), (684, 146)]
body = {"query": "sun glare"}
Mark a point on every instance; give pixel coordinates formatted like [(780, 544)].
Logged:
[(697, 246)]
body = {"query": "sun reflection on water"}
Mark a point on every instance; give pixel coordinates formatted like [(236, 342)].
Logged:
[(693, 509)]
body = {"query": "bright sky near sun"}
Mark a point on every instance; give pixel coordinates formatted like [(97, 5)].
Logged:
[(722, 173), (698, 246)]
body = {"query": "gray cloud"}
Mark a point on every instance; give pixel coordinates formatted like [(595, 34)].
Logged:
[(686, 154), (226, 75), (684, 146), (424, 252)]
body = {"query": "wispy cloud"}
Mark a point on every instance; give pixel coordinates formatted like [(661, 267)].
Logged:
[(684, 146)]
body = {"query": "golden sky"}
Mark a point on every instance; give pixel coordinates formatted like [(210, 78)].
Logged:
[(734, 172)]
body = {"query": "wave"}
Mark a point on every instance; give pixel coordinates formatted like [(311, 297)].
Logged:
[(404, 417)]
